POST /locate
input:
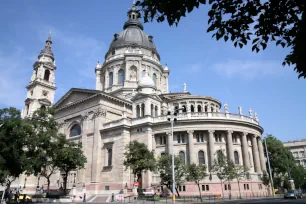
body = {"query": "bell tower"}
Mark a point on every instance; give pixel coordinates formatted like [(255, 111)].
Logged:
[(41, 89)]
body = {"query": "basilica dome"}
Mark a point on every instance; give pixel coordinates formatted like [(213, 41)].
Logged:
[(133, 34)]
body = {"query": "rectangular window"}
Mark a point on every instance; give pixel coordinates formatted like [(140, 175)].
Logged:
[(178, 138), (203, 187), (183, 138), (248, 186), (184, 188), (302, 154), (229, 187), (180, 188), (202, 138), (165, 140), (244, 186), (198, 138), (207, 187), (160, 140), (110, 156), (107, 188), (225, 187)]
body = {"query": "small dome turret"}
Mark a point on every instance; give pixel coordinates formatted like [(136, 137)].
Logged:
[(47, 49)]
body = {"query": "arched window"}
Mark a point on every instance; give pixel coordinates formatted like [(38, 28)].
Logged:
[(250, 158), (75, 130), (110, 156), (142, 110), (236, 157), (120, 77), (212, 109), (199, 108), (156, 111), (175, 108), (182, 156), (184, 109), (192, 108), (152, 110), (110, 84), (154, 78), (138, 111), (143, 73), (205, 108), (201, 157), (43, 107), (47, 75)]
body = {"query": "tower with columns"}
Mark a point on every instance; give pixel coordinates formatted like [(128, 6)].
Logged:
[(41, 88)]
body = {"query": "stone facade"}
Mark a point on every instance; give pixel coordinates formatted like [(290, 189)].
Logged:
[(298, 149), (131, 102)]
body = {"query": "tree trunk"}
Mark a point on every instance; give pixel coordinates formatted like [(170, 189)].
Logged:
[(199, 191), (139, 180), (48, 187), (239, 188), (222, 188), (178, 195), (65, 178)]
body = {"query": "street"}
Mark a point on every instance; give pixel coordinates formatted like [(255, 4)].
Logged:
[(278, 200)]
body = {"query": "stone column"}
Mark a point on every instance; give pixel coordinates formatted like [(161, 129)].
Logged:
[(229, 142), (169, 140), (134, 110), (84, 120), (96, 153), (190, 147), (245, 152), (261, 155), (211, 149), (255, 154), (153, 142)]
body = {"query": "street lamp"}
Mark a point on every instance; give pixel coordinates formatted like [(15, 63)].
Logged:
[(172, 117), (272, 185)]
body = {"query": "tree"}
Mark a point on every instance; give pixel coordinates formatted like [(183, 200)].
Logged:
[(281, 159), (239, 172), (298, 173), (164, 168), (265, 180), (255, 21), (45, 142), (223, 167), (15, 154), (196, 173), (70, 157), (139, 158)]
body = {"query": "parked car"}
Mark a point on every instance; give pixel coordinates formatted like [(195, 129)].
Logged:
[(293, 194)]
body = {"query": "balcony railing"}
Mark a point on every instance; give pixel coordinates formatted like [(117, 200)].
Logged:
[(180, 117)]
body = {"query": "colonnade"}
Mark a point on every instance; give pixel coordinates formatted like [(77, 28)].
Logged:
[(258, 158), (191, 106)]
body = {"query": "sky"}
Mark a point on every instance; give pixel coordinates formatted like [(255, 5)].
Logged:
[(82, 32)]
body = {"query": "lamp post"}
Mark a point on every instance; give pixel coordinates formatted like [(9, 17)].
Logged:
[(272, 185), (172, 117)]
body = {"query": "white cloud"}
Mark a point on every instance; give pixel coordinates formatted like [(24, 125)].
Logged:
[(250, 69)]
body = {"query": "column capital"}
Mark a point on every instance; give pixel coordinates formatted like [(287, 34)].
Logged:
[(211, 131), (245, 133), (169, 133), (230, 131), (190, 131)]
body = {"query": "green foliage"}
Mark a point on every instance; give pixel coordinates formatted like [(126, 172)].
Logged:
[(164, 168), (223, 167), (265, 179), (298, 173), (69, 157), (46, 143), (196, 173), (139, 158), (255, 21), (15, 135), (281, 159)]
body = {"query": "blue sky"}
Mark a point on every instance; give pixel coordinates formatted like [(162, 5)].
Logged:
[(83, 30)]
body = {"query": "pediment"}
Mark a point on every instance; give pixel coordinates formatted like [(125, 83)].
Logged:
[(141, 96), (74, 95)]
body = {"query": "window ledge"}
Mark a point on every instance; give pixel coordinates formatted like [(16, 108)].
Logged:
[(75, 137), (107, 168)]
